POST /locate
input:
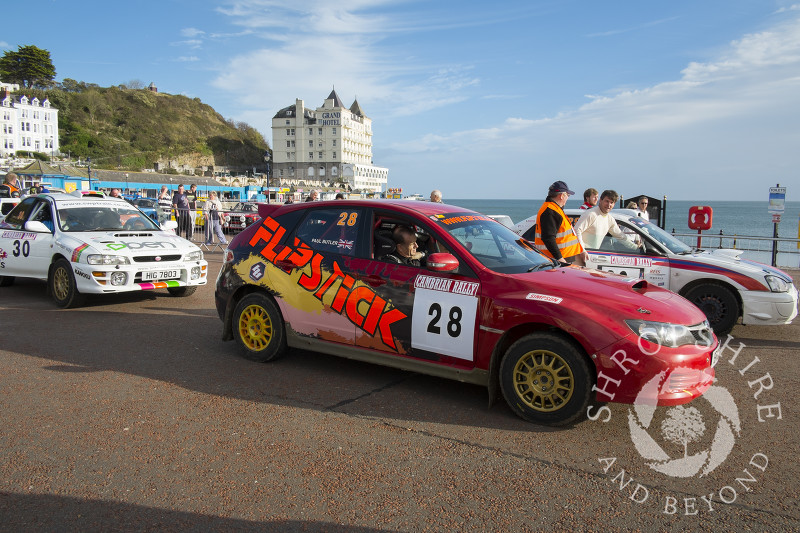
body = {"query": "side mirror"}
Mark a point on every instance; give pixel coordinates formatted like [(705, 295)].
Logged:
[(37, 227), (441, 262)]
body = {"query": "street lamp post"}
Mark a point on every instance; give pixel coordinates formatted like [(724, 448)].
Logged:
[(89, 171), (267, 159), (126, 184)]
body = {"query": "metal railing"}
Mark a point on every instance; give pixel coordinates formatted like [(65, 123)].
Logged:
[(786, 250), (192, 225)]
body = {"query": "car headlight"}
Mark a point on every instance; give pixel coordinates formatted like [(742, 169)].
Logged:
[(777, 284), (195, 256), (106, 259), (672, 335)]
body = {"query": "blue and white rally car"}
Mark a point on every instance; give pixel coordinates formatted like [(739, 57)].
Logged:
[(722, 284), (86, 243)]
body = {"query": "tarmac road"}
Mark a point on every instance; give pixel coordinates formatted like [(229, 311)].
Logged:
[(132, 414)]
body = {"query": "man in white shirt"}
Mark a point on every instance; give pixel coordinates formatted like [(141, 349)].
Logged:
[(596, 222), (642, 205)]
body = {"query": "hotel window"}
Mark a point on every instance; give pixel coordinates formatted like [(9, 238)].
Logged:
[(320, 155), (292, 131), (311, 155), (292, 144), (334, 131), (287, 131), (319, 131), (311, 144), (311, 131), (288, 144), (319, 144), (288, 122), (334, 155), (334, 142)]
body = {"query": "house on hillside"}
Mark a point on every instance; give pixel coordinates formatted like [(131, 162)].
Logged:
[(27, 124)]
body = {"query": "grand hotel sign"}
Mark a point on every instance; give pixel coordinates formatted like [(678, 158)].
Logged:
[(331, 118)]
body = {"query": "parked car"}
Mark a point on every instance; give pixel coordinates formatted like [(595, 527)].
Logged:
[(483, 306), (242, 215), (150, 207), (722, 284), (86, 243)]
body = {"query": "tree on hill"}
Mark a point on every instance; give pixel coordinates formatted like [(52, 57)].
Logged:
[(29, 67)]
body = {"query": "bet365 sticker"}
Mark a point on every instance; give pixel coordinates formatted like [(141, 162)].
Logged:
[(444, 314)]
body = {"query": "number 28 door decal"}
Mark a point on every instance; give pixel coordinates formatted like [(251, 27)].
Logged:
[(443, 320)]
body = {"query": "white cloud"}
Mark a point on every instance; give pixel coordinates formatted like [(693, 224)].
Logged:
[(192, 32), (187, 59), (191, 43)]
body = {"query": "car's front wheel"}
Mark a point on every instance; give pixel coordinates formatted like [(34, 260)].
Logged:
[(718, 304), (258, 328), (61, 284), (545, 379)]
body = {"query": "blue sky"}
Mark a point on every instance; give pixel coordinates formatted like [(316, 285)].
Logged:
[(692, 100)]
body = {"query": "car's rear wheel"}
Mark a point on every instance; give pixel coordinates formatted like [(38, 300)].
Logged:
[(6, 281), (258, 328), (62, 285), (182, 291), (545, 379), (718, 304)]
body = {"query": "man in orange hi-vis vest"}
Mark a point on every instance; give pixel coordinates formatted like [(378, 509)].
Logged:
[(554, 236)]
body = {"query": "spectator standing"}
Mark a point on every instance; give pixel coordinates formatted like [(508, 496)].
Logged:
[(211, 212), (642, 205), (180, 203), (589, 198), (554, 236), (436, 196), (10, 186), (312, 196), (191, 195), (596, 222), (164, 199), (115, 193), (339, 196)]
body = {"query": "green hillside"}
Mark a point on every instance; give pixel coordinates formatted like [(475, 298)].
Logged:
[(132, 129)]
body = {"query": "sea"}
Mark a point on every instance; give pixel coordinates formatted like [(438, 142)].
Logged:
[(731, 218)]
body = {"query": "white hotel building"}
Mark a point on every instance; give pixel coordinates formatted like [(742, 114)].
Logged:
[(325, 146), (27, 124)]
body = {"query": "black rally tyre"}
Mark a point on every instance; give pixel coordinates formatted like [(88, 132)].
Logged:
[(62, 287), (718, 304), (258, 328), (545, 379)]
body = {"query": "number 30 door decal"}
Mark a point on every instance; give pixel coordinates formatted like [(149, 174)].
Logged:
[(443, 320)]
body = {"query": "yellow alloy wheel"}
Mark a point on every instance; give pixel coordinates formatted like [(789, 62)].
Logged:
[(61, 283), (255, 328), (543, 380)]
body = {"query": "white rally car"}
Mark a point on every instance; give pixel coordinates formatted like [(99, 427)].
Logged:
[(91, 244), (724, 286)]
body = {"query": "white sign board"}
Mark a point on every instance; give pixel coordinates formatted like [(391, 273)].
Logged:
[(777, 200)]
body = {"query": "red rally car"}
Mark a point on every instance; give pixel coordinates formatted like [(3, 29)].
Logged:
[(481, 306)]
